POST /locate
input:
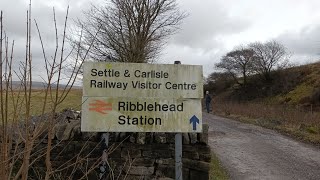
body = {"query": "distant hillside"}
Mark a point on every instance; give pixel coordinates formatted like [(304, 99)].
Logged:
[(305, 88), (295, 86)]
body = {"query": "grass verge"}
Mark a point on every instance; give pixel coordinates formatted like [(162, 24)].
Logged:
[(217, 172)]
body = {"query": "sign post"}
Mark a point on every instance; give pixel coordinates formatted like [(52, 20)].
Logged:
[(178, 150), (132, 97)]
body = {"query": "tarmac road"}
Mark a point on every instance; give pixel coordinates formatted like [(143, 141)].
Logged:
[(252, 152)]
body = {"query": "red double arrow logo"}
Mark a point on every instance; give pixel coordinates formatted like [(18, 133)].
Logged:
[(100, 106)]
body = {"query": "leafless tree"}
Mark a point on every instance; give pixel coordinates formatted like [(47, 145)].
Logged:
[(130, 30), (238, 63), (270, 55), (19, 133), (218, 82)]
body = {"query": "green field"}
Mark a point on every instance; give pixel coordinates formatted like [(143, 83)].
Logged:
[(73, 100)]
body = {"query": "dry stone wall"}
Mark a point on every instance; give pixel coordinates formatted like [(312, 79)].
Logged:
[(129, 155)]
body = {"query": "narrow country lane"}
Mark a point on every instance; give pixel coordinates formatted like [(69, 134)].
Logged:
[(252, 152)]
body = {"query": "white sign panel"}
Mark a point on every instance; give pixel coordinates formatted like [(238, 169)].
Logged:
[(131, 97), (141, 115), (142, 80)]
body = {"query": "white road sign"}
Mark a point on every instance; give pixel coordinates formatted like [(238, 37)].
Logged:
[(142, 80), (131, 97), (141, 115)]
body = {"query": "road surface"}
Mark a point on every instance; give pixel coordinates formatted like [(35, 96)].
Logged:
[(252, 152)]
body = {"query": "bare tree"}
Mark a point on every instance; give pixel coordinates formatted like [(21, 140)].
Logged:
[(20, 135), (270, 55), (238, 63), (218, 82), (130, 30)]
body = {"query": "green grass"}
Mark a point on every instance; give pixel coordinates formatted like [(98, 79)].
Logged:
[(73, 100), (301, 91), (217, 172)]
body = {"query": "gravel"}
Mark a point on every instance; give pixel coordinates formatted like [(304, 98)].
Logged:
[(252, 152)]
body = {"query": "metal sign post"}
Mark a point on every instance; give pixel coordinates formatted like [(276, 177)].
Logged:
[(178, 150), (178, 156)]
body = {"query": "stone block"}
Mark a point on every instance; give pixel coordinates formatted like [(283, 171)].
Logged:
[(130, 153), (161, 147), (193, 138), (122, 136), (113, 136), (200, 148), (70, 114), (76, 132), (185, 138), (163, 178), (205, 157), (166, 171), (170, 138), (189, 148), (115, 172), (92, 136), (115, 161), (196, 165), (160, 138), (135, 177), (167, 161), (59, 130), (115, 153), (191, 155), (186, 174), (149, 137), (203, 137), (132, 138), (198, 174), (140, 170), (157, 153), (147, 162), (205, 128), (89, 145), (204, 149), (141, 138)]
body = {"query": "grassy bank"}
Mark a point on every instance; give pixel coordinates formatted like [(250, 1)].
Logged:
[(73, 100), (217, 172), (299, 123)]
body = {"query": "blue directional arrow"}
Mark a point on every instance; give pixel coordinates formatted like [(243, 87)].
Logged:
[(194, 120)]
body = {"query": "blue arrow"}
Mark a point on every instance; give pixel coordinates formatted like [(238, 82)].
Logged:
[(194, 120)]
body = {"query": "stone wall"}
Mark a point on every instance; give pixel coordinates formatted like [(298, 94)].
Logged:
[(129, 155)]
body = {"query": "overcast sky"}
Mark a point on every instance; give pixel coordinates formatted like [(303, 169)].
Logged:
[(212, 28)]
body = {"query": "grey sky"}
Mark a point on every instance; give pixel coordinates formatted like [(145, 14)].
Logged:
[(212, 28)]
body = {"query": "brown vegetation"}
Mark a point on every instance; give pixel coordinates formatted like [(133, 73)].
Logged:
[(298, 122), (19, 132), (288, 102)]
